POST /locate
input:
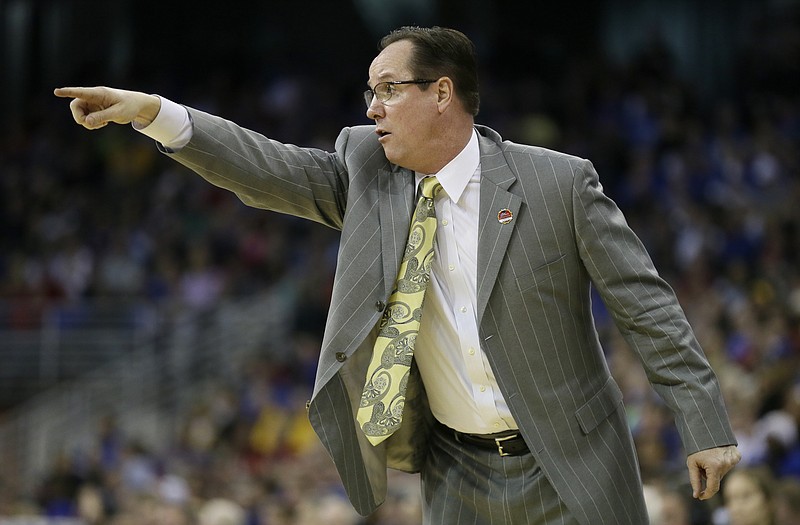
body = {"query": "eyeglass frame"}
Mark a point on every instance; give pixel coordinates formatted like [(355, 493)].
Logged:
[(370, 93)]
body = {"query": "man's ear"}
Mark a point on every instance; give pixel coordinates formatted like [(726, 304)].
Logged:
[(445, 93)]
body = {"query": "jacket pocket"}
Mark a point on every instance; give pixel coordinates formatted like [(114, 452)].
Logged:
[(545, 271), (599, 407)]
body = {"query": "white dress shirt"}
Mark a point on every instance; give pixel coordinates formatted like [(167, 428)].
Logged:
[(461, 387), (462, 390)]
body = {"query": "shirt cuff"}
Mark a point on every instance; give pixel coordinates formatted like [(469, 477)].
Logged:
[(172, 127)]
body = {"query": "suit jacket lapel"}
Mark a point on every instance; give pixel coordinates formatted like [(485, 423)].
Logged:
[(397, 202), (493, 235)]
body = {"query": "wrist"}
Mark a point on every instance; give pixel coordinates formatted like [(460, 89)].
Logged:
[(151, 105)]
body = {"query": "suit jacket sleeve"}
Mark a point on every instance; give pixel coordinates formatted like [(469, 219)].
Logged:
[(264, 173), (646, 311)]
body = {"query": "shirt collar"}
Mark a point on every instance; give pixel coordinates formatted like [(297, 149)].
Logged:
[(457, 173)]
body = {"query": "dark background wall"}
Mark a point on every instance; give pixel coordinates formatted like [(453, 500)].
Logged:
[(146, 44)]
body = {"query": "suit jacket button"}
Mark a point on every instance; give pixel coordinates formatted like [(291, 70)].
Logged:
[(380, 305), (341, 357)]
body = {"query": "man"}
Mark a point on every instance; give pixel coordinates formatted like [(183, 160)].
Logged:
[(508, 409)]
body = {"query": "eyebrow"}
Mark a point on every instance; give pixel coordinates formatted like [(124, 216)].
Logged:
[(383, 77)]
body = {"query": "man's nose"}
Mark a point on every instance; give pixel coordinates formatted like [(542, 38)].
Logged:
[(375, 109)]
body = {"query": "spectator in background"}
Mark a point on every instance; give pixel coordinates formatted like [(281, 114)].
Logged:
[(667, 506), (786, 445), (676, 507), (221, 512), (787, 502), (748, 494)]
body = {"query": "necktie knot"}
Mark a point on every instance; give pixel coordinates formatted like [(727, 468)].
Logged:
[(430, 187)]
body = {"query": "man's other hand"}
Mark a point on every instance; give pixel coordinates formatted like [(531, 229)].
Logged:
[(710, 465)]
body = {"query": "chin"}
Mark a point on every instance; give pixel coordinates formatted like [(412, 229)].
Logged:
[(398, 158), (393, 157)]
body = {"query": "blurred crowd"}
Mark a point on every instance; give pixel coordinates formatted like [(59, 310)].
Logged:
[(711, 183)]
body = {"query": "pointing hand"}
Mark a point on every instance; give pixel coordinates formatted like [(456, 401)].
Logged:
[(95, 107)]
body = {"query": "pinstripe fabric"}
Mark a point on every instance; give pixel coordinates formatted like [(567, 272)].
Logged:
[(463, 484), (534, 276)]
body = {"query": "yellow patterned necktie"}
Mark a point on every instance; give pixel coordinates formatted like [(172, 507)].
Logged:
[(381, 410)]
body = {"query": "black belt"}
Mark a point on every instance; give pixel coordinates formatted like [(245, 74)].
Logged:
[(508, 443)]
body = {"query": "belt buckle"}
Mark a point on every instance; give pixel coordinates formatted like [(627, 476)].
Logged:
[(499, 441)]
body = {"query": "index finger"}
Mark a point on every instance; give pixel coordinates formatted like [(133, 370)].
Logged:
[(713, 478), (75, 92)]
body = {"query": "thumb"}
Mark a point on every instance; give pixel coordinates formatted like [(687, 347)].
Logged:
[(98, 119)]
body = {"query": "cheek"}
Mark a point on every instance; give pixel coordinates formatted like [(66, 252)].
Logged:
[(419, 132), (410, 132)]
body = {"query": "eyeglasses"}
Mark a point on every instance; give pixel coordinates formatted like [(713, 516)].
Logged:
[(384, 90)]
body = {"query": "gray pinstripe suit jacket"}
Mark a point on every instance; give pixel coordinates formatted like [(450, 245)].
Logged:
[(534, 276)]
